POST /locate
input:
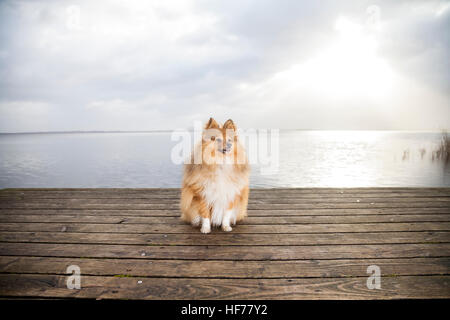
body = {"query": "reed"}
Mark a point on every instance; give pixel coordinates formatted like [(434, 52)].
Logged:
[(442, 152)]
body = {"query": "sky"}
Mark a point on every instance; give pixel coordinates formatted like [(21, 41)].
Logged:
[(161, 65)]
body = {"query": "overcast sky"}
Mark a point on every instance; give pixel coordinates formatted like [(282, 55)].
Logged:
[(144, 65)]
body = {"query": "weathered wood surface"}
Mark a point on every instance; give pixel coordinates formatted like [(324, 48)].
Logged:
[(302, 243)]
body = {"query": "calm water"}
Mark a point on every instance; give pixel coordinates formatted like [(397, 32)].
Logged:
[(306, 159)]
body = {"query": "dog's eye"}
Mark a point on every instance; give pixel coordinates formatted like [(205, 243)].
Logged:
[(219, 140), (213, 138)]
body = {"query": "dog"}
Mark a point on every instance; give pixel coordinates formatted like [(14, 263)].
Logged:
[(215, 186)]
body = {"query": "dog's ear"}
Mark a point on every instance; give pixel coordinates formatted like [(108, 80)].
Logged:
[(212, 124), (229, 124)]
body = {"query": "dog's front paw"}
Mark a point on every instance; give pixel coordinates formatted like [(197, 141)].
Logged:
[(226, 228), (206, 225), (205, 229)]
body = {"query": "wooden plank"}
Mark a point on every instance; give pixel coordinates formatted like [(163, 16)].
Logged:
[(163, 288), (7, 202), (254, 199), (219, 239), (253, 195), (268, 201), (126, 205), (251, 212), (263, 190), (227, 269), (227, 252), (254, 191), (186, 228), (123, 219), (297, 243)]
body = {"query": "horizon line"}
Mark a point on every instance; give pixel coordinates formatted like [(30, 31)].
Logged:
[(191, 129)]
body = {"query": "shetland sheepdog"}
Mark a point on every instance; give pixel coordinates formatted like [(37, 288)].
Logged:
[(215, 181)]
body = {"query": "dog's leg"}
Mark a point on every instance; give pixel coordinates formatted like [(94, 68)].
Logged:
[(241, 204), (201, 215), (206, 225), (226, 220), (228, 217)]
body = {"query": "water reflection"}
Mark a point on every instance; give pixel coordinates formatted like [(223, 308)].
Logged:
[(307, 159)]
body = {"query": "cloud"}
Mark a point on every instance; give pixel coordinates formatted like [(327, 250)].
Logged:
[(141, 65), (416, 40), (19, 116)]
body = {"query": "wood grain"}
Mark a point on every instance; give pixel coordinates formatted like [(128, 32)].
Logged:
[(235, 239), (226, 269), (297, 243), (368, 251), (162, 288), (244, 228), (251, 220), (174, 205)]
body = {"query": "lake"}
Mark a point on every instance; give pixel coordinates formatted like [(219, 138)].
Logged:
[(143, 159)]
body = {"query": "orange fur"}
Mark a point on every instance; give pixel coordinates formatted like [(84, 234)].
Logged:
[(218, 183)]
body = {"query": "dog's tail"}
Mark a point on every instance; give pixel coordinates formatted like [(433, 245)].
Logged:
[(187, 194)]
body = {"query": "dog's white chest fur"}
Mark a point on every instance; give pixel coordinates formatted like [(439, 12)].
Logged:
[(219, 190)]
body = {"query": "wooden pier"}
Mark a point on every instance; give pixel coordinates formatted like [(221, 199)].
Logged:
[(296, 244)]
